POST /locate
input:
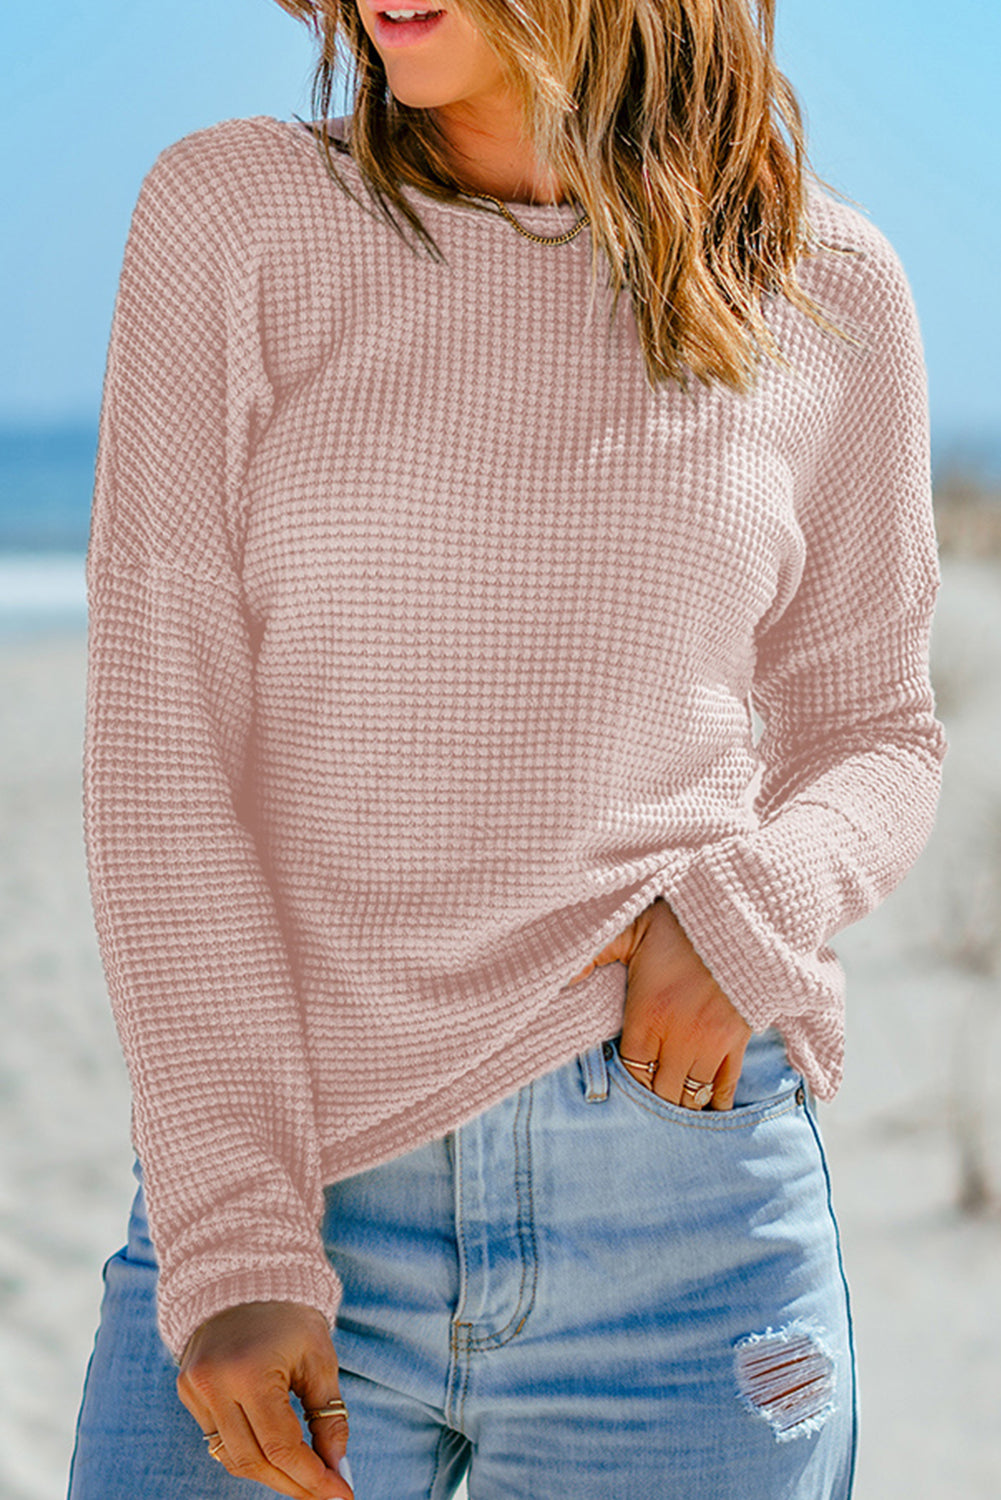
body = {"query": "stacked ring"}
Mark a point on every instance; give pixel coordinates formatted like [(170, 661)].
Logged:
[(332, 1409), (701, 1092)]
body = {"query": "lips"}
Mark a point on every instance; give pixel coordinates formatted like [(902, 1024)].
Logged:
[(396, 34)]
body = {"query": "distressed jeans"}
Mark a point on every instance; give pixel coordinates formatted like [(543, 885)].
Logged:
[(584, 1291)]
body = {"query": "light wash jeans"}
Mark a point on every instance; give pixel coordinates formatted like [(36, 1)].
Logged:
[(584, 1293)]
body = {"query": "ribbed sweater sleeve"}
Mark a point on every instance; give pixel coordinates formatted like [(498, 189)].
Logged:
[(199, 978), (851, 750)]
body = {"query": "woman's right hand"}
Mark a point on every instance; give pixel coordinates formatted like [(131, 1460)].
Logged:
[(235, 1376)]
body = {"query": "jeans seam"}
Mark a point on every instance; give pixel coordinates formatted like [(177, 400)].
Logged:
[(457, 1342), (500, 1336), (848, 1302)]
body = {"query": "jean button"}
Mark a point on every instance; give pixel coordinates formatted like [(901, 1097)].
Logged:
[(607, 1049), (800, 1096)]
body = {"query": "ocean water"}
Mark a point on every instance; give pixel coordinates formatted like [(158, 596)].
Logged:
[(46, 487)]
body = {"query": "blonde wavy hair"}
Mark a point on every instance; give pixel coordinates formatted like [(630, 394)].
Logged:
[(663, 119)]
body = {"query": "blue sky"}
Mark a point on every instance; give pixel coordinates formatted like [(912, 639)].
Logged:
[(896, 93)]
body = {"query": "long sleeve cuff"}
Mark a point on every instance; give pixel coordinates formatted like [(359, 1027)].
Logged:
[(850, 816), (228, 1280)]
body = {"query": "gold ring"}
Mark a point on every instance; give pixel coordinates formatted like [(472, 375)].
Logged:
[(332, 1409), (649, 1068), (701, 1092)]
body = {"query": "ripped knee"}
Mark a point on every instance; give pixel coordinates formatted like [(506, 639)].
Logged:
[(786, 1377)]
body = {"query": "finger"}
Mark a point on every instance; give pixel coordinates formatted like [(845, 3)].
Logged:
[(727, 1078), (241, 1454), (330, 1441), (638, 1046), (316, 1384), (216, 1448), (699, 1083), (286, 1459), (618, 951), (645, 1044), (673, 1075)]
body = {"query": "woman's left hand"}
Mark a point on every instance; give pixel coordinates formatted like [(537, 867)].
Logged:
[(675, 1012)]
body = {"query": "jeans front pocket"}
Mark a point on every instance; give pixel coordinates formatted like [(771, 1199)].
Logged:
[(768, 1085)]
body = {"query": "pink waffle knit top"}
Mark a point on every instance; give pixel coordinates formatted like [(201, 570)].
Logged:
[(429, 644)]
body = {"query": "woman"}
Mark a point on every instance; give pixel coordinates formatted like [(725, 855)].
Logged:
[(468, 951)]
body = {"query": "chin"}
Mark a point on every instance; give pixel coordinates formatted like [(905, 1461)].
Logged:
[(415, 97)]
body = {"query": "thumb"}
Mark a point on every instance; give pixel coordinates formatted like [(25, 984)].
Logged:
[(618, 951)]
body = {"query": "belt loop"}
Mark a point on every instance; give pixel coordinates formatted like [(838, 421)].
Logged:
[(594, 1072)]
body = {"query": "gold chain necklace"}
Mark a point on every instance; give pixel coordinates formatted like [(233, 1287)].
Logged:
[(540, 239)]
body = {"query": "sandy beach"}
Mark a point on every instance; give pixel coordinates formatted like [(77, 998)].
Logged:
[(921, 1092)]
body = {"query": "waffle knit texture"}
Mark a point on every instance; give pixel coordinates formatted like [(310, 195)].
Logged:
[(424, 640)]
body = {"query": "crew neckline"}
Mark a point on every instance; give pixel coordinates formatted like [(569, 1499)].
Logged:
[(551, 218)]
